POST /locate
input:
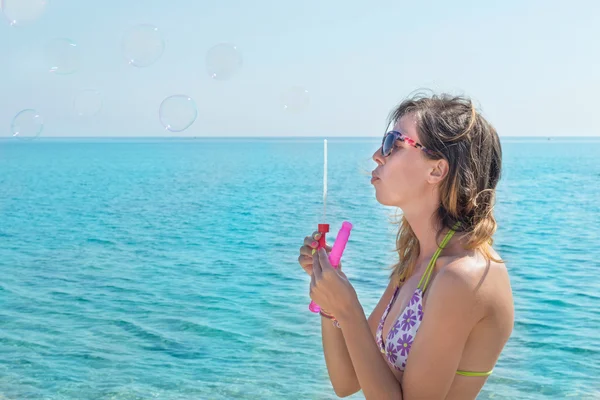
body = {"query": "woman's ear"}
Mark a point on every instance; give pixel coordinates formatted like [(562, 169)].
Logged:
[(438, 171)]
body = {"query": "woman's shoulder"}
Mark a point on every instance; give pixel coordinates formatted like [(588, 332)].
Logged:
[(470, 266), (472, 274)]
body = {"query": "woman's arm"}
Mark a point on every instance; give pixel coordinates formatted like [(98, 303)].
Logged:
[(331, 289), (374, 375), (339, 363)]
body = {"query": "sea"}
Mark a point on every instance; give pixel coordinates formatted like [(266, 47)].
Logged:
[(166, 268)]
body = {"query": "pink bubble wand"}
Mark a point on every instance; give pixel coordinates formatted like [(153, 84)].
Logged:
[(336, 254)]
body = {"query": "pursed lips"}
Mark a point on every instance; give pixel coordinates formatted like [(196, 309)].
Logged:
[(374, 177)]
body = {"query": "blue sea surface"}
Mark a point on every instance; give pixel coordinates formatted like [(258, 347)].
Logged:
[(157, 268)]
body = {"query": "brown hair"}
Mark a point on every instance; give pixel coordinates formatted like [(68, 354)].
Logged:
[(452, 128)]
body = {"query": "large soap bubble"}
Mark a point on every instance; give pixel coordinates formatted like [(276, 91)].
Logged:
[(177, 112), (27, 124), (143, 45), (223, 61), (63, 56), (22, 12)]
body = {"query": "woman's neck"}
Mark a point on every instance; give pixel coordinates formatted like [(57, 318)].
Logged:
[(425, 224)]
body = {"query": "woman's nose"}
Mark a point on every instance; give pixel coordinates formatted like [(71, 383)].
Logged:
[(377, 157)]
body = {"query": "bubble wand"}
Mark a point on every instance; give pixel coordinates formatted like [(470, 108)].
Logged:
[(343, 235)]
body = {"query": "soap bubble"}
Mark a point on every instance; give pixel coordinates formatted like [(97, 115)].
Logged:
[(27, 124), (87, 103), (143, 45), (177, 113), (295, 99), (223, 61), (21, 12), (63, 56)]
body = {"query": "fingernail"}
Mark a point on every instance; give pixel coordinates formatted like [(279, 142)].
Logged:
[(314, 251), (314, 244), (317, 236)]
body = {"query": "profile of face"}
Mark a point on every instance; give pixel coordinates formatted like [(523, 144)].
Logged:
[(408, 176)]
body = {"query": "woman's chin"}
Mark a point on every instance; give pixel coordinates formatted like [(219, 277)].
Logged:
[(381, 199)]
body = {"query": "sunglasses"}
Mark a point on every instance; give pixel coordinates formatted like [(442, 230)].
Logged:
[(389, 139)]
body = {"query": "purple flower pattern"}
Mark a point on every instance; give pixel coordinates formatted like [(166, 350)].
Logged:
[(391, 352), (402, 334), (415, 298), (404, 344), (409, 319), (394, 329)]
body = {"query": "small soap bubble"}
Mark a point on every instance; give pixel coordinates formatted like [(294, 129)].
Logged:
[(63, 56), (223, 61), (27, 124), (22, 12), (177, 112), (143, 45), (87, 102), (295, 99)]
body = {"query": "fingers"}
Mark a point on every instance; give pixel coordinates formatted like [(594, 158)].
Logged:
[(305, 259), (317, 271), (313, 241), (310, 244), (306, 262), (312, 238), (323, 259), (316, 236), (307, 251)]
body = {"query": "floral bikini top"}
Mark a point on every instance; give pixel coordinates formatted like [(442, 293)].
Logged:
[(402, 334)]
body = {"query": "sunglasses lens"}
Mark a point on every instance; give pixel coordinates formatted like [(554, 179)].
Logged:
[(388, 144)]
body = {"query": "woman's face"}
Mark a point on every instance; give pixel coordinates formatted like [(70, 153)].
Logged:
[(404, 175)]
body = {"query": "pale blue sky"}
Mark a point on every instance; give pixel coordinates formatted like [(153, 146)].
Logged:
[(532, 66)]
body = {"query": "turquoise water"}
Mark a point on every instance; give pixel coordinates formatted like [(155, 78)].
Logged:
[(136, 269)]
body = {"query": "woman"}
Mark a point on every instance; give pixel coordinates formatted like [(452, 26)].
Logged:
[(447, 312)]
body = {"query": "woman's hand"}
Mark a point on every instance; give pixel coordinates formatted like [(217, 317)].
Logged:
[(329, 287), (305, 259)]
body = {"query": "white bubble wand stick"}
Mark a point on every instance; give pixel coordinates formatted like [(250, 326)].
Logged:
[(342, 237)]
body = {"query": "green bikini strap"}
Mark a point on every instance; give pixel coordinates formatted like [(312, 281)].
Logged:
[(425, 278), (470, 373)]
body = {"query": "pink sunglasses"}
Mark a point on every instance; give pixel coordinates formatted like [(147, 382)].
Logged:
[(389, 139)]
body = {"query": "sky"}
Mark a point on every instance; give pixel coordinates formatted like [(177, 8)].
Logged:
[(532, 67)]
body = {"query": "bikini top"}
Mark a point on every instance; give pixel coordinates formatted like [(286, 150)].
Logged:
[(402, 334)]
